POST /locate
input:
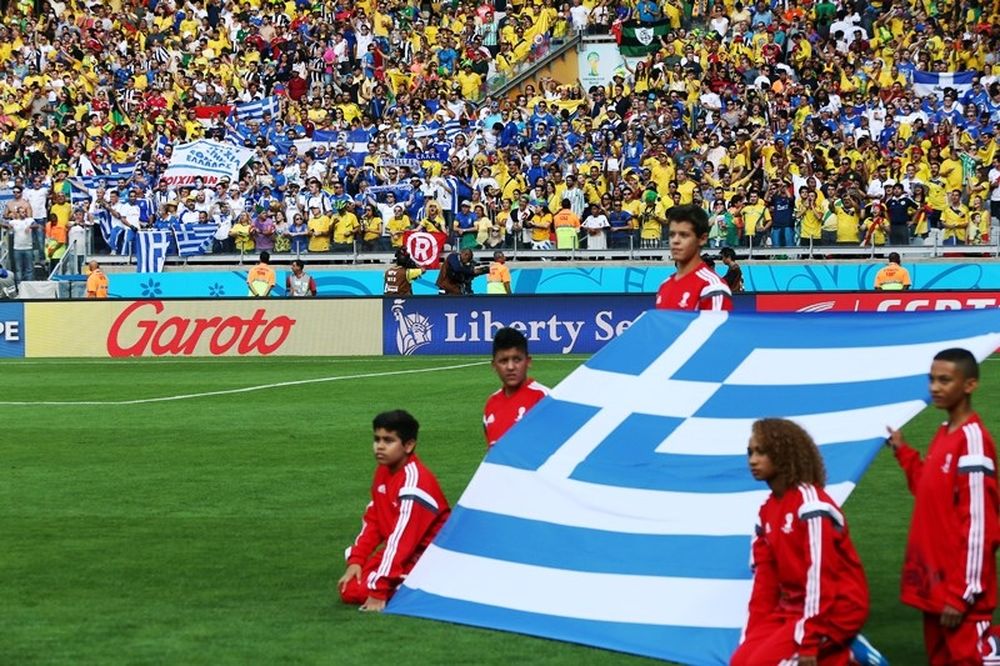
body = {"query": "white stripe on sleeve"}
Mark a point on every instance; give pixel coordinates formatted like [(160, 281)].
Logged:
[(392, 545), (977, 501)]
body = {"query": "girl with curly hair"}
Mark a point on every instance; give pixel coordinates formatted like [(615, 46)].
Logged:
[(810, 596)]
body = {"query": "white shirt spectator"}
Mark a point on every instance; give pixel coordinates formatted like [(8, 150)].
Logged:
[(994, 177), (720, 24), (850, 30), (22, 232), (130, 212), (597, 241), (876, 189), (37, 197), (364, 37), (580, 15)]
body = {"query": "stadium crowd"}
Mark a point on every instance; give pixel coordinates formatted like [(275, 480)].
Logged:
[(790, 122)]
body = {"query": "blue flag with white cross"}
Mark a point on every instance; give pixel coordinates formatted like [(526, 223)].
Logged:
[(618, 512)]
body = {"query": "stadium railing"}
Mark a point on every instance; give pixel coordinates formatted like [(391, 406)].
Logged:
[(520, 251)]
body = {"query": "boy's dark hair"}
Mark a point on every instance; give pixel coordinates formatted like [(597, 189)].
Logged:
[(510, 338), (265, 257), (894, 258), (695, 215), (792, 451), (727, 253), (398, 421), (963, 359)]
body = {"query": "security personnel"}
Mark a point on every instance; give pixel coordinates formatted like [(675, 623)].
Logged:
[(892, 277), (498, 279), (97, 281)]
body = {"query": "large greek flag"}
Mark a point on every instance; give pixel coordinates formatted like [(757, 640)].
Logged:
[(254, 110), (151, 249), (935, 83), (194, 239), (618, 513)]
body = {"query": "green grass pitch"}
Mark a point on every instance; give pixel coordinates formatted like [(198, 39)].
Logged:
[(212, 530)]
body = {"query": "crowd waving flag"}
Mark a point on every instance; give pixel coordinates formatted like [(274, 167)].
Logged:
[(194, 239), (151, 249), (935, 83), (618, 513), (640, 39)]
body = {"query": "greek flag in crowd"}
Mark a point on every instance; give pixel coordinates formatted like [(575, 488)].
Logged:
[(355, 140), (256, 109), (618, 512), (451, 128), (193, 239), (151, 249), (162, 142), (934, 83)]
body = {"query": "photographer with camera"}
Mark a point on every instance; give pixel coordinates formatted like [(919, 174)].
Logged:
[(457, 273), (400, 275)]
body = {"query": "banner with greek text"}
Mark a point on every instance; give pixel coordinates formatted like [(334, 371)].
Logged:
[(208, 160)]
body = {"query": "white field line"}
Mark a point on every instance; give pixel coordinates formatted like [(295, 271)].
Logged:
[(245, 389), (14, 363)]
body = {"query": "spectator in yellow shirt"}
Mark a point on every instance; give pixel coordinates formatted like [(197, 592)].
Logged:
[(319, 230), (398, 225), (955, 220), (345, 228), (846, 210), (241, 234)]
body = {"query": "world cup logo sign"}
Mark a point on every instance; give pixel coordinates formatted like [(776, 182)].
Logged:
[(423, 248)]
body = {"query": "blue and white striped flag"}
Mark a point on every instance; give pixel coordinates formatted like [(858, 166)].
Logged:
[(451, 128), (121, 171), (194, 239), (934, 83), (162, 142), (619, 511), (255, 110), (151, 249)]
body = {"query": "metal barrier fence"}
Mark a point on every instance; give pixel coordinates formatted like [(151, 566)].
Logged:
[(628, 250)]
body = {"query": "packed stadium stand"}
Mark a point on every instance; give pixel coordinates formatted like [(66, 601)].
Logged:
[(338, 129)]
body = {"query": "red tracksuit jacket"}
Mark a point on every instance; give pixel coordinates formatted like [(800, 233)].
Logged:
[(953, 535), (805, 567), (405, 513)]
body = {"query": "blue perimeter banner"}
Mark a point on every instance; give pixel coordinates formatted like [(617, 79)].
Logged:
[(11, 330), (637, 279), (553, 325)]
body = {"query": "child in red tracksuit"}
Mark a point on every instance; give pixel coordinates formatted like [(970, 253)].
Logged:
[(810, 595), (949, 571), (406, 511)]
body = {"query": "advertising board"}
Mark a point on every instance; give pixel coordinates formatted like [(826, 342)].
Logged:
[(11, 330), (466, 325), (894, 301), (157, 328)]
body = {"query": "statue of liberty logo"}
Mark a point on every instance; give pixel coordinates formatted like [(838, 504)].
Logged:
[(413, 331)]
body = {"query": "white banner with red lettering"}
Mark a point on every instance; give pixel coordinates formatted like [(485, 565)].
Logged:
[(425, 247), (208, 160)]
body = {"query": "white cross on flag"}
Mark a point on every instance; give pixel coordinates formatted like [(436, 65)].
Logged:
[(618, 513)]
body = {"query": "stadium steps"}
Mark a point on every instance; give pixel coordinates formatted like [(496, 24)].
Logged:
[(558, 52)]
